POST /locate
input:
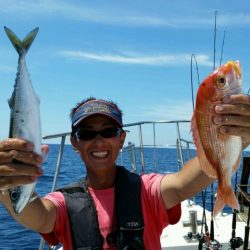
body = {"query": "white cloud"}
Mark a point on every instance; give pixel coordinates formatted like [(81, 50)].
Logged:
[(132, 58), (162, 114), (118, 14), (170, 110)]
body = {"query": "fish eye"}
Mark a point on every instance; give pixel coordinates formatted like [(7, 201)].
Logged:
[(221, 81)]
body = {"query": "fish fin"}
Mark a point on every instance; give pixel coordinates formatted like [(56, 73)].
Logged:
[(17, 43), (21, 46), (27, 41), (226, 198), (205, 164), (236, 164), (11, 100)]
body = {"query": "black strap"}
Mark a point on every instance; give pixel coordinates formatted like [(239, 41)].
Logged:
[(82, 216), (128, 210)]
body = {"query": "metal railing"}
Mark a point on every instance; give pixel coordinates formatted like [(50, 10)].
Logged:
[(181, 144), (244, 201), (179, 140)]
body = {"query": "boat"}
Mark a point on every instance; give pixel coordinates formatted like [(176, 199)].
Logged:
[(197, 229)]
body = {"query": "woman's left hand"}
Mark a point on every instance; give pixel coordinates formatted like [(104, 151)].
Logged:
[(234, 117)]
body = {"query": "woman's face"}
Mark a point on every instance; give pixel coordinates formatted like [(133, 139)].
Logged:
[(99, 153)]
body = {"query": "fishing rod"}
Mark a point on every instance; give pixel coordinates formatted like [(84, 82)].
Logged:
[(214, 244), (203, 237), (246, 236), (245, 197), (235, 242), (212, 185), (215, 29), (198, 76), (206, 240), (222, 47)]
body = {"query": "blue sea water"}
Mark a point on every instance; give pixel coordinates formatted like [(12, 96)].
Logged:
[(14, 236)]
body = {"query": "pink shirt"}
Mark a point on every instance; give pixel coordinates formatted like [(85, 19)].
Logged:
[(155, 216)]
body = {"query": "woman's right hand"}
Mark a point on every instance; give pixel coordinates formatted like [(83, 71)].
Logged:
[(19, 164)]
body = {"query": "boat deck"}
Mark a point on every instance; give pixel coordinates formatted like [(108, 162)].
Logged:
[(173, 236)]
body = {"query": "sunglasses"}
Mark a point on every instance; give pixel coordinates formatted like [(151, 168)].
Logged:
[(87, 134)]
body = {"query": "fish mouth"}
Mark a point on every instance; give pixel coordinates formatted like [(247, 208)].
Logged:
[(236, 67)]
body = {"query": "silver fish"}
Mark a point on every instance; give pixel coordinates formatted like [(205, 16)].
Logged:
[(25, 114)]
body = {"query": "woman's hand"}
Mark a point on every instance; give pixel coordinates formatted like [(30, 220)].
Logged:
[(18, 163), (234, 116)]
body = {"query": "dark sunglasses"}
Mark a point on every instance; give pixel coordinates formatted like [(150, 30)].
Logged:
[(87, 134)]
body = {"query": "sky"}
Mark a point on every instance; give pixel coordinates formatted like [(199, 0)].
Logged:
[(134, 52)]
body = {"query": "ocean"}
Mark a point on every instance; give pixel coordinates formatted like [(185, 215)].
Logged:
[(14, 236)]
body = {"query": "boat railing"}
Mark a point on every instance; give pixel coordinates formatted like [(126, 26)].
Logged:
[(243, 195), (130, 149), (181, 144), (181, 147)]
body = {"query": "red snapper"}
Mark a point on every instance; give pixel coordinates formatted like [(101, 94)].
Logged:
[(219, 154)]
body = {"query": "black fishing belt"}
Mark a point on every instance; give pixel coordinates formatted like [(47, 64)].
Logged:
[(83, 216)]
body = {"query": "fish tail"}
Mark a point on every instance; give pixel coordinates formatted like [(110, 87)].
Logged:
[(227, 198), (21, 46)]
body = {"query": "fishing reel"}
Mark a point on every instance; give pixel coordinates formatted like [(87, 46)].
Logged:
[(191, 237), (206, 244), (235, 242), (212, 245)]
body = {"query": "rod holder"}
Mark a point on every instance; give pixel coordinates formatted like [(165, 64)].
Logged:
[(193, 221)]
